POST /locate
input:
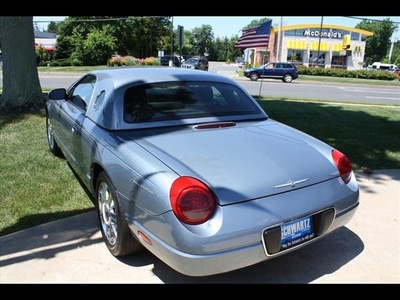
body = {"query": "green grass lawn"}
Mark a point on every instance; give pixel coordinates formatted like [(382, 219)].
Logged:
[(38, 187), (368, 134)]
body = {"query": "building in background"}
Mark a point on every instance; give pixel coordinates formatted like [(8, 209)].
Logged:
[(46, 40), (326, 46)]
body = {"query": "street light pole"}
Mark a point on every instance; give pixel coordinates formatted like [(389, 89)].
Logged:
[(171, 62)]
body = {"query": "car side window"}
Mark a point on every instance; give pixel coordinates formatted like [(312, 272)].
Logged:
[(82, 92)]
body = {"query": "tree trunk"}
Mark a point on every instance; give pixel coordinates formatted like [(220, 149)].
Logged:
[(21, 85)]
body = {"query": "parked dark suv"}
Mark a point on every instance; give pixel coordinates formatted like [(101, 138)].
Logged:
[(285, 71), (200, 63), (175, 60)]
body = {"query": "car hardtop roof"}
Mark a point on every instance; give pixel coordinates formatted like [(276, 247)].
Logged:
[(125, 75)]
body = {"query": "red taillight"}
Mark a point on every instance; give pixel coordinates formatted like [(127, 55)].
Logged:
[(192, 201), (343, 164)]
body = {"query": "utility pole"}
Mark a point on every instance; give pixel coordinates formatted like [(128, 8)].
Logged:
[(278, 54), (319, 40), (394, 40), (171, 62)]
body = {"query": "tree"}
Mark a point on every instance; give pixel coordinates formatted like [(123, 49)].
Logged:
[(396, 54), (378, 45), (42, 56), (223, 49), (94, 49), (202, 39), (187, 47), (21, 85), (53, 27), (140, 37), (136, 36)]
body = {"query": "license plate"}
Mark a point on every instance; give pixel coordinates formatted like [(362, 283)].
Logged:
[(296, 232)]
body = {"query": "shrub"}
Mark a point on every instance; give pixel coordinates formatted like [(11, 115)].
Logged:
[(129, 61), (149, 61), (76, 62), (116, 60), (63, 62), (366, 74), (156, 62), (42, 56)]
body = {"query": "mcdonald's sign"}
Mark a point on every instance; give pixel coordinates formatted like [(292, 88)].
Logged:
[(346, 42)]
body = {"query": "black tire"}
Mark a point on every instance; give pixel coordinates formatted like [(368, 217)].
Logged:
[(287, 78), (113, 226), (53, 146), (254, 76)]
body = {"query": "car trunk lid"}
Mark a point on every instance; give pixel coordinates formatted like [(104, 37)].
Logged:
[(246, 161)]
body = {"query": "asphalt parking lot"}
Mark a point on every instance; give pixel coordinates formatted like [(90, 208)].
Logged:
[(71, 250)]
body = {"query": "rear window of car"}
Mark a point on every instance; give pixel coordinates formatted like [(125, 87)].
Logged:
[(182, 100)]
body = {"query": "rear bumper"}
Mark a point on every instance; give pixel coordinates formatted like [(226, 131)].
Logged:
[(217, 263), (233, 238)]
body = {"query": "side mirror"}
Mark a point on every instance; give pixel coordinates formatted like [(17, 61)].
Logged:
[(58, 94)]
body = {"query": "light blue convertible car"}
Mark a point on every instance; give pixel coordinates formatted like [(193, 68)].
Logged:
[(186, 164)]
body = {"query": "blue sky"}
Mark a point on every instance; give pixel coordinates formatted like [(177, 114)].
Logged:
[(231, 26)]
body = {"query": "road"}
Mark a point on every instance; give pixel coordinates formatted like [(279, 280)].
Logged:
[(312, 89), (324, 91), (269, 87)]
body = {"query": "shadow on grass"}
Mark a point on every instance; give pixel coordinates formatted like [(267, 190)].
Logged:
[(11, 115)]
